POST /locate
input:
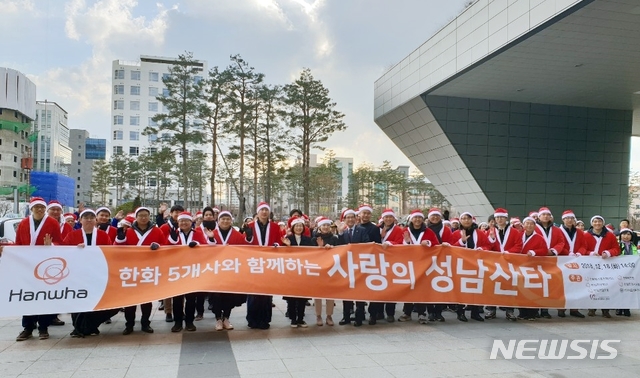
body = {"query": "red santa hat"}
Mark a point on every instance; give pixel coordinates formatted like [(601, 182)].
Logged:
[(54, 203), (467, 214), (434, 211), (544, 210), (345, 213), (528, 219), (281, 223), (225, 213), (185, 215), (128, 220), (103, 208), (199, 214), (323, 221), (295, 220), (387, 212), (568, 214), (216, 210), (500, 212), (455, 220), (596, 217), (533, 214), (514, 220), (364, 207), (418, 213), (70, 216), (262, 205), (446, 222), (141, 208), (37, 201), (610, 227), (86, 211), (623, 230), (318, 218)]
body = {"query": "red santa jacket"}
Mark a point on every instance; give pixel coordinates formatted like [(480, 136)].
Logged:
[(480, 240), (272, 237), (27, 234), (134, 237), (511, 243), (575, 244), (110, 230), (426, 234), (166, 228), (443, 235), (234, 237), (194, 235), (554, 241), (599, 244), (98, 237), (65, 230), (535, 243), (393, 235)]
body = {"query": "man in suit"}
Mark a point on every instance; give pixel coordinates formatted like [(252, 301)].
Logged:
[(352, 234)]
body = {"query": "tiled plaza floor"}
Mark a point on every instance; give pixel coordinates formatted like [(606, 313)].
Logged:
[(449, 349)]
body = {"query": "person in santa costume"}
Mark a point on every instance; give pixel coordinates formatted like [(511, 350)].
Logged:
[(455, 224), (438, 226), (171, 224), (223, 303), (533, 244), (390, 234), (71, 219), (184, 306), (206, 225), (574, 245), (54, 211), (103, 216), (87, 323), (504, 239), (468, 236), (417, 233), (262, 232), (295, 305), (141, 232), (197, 219), (553, 238), (37, 229), (602, 242)]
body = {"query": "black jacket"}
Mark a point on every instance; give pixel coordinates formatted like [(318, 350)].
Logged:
[(360, 235), (304, 241)]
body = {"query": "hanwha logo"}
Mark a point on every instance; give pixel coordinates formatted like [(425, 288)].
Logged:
[(52, 270)]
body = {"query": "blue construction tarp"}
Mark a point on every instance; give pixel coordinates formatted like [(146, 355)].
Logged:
[(54, 186)]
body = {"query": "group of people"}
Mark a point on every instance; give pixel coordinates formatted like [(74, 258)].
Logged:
[(536, 235)]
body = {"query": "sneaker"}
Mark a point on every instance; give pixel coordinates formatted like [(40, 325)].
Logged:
[(161, 307), (76, 334), (490, 314), (199, 317), (127, 331), (176, 328), (422, 319), (605, 314), (226, 324), (190, 327), (344, 321), (511, 316), (405, 318), (95, 332), (319, 321), (57, 322), (43, 335), (545, 314), (477, 317), (439, 318), (462, 318), (390, 319), (219, 326), (294, 324), (108, 321), (147, 329), (302, 324), (591, 313), (576, 313), (562, 313), (168, 318), (24, 335), (329, 320)]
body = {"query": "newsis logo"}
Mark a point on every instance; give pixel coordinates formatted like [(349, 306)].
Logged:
[(50, 271), (555, 349)]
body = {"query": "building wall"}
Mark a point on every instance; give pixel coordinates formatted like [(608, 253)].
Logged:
[(524, 156), (51, 151), (85, 151)]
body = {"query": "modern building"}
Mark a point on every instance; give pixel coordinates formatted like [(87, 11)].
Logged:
[(17, 112), (135, 88), (50, 150), (86, 150), (522, 104)]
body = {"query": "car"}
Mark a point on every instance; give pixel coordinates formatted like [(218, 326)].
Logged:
[(8, 227)]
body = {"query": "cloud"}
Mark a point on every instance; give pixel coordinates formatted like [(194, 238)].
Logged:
[(15, 6)]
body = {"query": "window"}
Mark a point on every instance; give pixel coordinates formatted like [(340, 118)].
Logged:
[(116, 151), (15, 159), (152, 137), (15, 143), (197, 79), (118, 120), (134, 135), (134, 105), (77, 186), (117, 105), (153, 106), (166, 137), (78, 170), (78, 163), (153, 150), (15, 173), (79, 154), (118, 89), (135, 90), (153, 76), (165, 92), (78, 178), (152, 123), (117, 135), (135, 75), (151, 182), (134, 151), (165, 76), (134, 120), (153, 91), (118, 74)]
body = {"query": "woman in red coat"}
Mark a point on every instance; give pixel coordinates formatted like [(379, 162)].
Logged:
[(533, 244), (600, 242)]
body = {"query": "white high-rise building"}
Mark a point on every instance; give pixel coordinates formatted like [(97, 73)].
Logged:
[(51, 151), (135, 86)]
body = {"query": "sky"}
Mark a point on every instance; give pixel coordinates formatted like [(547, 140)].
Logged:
[(67, 48)]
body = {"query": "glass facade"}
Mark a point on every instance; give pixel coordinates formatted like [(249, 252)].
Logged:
[(95, 149)]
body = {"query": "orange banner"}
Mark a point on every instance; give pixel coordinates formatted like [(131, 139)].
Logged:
[(364, 272)]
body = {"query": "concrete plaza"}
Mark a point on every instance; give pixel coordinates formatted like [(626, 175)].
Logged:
[(449, 349)]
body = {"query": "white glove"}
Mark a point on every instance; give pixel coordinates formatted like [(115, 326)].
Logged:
[(531, 253), (594, 253), (606, 254), (572, 254), (578, 254)]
